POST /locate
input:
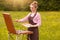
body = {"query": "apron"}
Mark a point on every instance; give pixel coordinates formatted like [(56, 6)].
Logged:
[(33, 36)]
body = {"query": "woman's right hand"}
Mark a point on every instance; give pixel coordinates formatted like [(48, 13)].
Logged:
[(17, 20)]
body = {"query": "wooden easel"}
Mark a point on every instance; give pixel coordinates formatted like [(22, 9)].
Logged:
[(10, 26)]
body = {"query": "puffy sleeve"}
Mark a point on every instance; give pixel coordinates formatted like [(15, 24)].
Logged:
[(25, 18), (37, 19)]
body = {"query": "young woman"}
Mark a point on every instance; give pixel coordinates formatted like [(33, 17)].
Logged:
[(34, 20)]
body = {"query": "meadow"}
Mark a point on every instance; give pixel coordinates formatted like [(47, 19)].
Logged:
[(49, 29)]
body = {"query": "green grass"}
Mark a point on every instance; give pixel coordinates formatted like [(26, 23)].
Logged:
[(49, 30)]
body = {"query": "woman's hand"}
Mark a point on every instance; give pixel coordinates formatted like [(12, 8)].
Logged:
[(17, 20), (26, 25), (33, 26)]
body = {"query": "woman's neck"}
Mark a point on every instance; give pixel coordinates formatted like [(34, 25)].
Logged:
[(33, 11)]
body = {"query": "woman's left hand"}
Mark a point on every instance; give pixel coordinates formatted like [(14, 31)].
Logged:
[(27, 25)]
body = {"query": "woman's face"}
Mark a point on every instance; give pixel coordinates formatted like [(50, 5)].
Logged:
[(32, 8)]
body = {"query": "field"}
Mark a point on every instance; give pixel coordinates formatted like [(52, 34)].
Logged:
[(49, 30)]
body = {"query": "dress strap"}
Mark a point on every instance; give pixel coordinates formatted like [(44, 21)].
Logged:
[(34, 15)]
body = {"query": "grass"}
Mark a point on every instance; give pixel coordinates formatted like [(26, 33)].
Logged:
[(49, 30)]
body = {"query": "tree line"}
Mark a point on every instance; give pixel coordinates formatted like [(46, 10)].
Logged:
[(43, 5)]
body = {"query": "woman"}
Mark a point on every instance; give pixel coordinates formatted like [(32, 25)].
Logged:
[(34, 20)]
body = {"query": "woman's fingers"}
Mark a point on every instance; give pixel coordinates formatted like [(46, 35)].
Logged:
[(26, 25), (16, 20)]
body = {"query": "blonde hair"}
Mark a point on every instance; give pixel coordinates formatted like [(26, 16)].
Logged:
[(35, 4)]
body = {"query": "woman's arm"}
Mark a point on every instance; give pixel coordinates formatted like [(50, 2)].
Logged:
[(37, 20), (23, 19)]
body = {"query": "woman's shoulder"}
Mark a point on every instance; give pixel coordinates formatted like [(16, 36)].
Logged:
[(38, 13), (29, 13)]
